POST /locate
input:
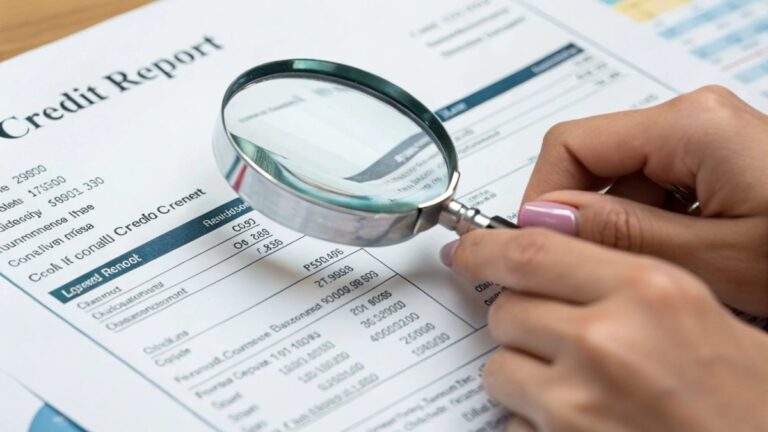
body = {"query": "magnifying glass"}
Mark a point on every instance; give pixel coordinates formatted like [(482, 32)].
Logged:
[(340, 154)]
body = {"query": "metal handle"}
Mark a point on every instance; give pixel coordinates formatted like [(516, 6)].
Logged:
[(685, 195), (460, 218), (498, 222)]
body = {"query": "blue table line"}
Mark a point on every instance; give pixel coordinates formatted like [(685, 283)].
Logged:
[(708, 16), (735, 38)]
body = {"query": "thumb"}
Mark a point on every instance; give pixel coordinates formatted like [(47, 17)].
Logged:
[(722, 251), (612, 221)]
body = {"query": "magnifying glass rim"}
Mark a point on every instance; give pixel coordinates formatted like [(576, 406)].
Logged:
[(360, 80)]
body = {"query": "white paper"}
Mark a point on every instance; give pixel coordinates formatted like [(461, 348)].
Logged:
[(166, 305), (24, 411), (730, 34), (729, 37), (20, 405)]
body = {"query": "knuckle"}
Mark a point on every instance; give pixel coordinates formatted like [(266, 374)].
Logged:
[(616, 226), (559, 134), (526, 249), (716, 91), (714, 114), (712, 99), (601, 348), (655, 285), (556, 133), (645, 273), (598, 340), (592, 338)]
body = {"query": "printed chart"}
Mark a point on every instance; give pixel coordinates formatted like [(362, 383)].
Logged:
[(645, 10), (730, 34)]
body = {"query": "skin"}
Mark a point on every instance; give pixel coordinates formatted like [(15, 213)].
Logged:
[(624, 329)]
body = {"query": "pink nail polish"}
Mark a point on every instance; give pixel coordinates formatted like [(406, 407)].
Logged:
[(559, 217), (446, 252)]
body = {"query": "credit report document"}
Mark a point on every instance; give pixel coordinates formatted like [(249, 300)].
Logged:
[(138, 292)]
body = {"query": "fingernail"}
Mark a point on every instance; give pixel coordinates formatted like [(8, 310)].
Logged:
[(559, 217), (446, 252)]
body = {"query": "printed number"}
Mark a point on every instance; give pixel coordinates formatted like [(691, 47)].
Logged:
[(93, 183), (270, 246), (46, 186), (323, 259), (29, 174), (64, 197), (431, 344), (334, 276)]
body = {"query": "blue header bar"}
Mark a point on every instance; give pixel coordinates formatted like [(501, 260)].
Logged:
[(151, 250), (508, 83)]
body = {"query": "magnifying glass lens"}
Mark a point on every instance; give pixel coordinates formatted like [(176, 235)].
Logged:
[(337, 144)]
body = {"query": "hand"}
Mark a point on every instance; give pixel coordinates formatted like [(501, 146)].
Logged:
[(596, 339), (708, 141)]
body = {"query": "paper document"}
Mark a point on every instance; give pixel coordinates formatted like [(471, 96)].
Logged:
[(730, 34), (140, 293), (24, 411)]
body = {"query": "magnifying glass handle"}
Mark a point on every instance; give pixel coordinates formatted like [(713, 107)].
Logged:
[(462, 219), (498, 222)]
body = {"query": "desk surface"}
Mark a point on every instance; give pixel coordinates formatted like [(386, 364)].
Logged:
[(25, 24)]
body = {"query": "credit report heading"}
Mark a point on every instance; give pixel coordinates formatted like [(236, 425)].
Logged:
[(80, 98)]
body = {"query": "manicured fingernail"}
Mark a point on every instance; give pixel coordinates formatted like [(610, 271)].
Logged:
[(559, 217), (446, 253)]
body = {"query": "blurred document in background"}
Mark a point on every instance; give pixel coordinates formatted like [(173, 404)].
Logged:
[(730, 34)]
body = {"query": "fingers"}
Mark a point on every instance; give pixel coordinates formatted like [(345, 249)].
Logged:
[(637, 187), (722, 251), (510, 378), (536, 325), (624, 224), (690, 141), (540, 262), (578, 154)]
